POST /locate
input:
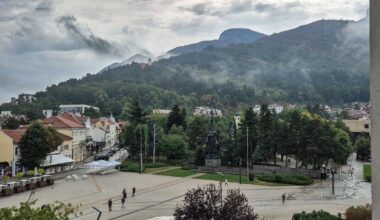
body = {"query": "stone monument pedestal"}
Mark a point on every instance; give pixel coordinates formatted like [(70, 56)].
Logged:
[(212, 162)]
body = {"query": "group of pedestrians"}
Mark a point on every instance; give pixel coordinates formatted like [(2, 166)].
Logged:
[(123, 198)]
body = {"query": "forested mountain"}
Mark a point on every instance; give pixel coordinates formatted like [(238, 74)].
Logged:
[(226, 38), (323, 62)]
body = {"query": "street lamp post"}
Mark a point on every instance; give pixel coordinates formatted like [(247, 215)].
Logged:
[(247, 155), (154, 143), (141, 162)]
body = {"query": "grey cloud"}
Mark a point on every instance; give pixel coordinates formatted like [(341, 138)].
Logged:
[(93, 42), (45, 6), (261, 7), (200, 9)]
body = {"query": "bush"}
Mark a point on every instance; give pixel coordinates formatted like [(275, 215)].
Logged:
[(30, 173), (130, 166), (155, 165), (19, 175), (367, 172), (321, 215), (287, 179), (359, 212), (41, 171)]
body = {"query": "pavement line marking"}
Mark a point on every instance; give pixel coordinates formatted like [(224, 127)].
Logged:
[(147, 207), (96, 183)]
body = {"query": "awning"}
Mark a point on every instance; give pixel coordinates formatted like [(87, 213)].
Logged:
[(56, 159), (101, 164)]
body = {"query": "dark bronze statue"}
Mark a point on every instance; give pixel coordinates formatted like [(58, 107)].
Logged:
[(212, 146)]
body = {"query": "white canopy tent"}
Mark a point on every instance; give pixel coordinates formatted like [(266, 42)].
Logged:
[(101, 165)]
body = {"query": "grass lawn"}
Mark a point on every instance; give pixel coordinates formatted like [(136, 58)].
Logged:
[(235, 179), (367, 172), (176, 172)]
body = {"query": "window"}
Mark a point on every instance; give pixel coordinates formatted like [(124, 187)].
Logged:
[(16, 151), (366, 126), (65, 147)]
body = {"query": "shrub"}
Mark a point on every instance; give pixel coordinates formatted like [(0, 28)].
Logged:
[(130, 166), (30, 173), (321, 215), (155, 165), (287, 179), (41, 171), (359, 213), (205, 203), (19, 175), (367, 172)]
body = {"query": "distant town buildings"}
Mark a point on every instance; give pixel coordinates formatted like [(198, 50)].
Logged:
[(47, 113), (28, 98), (161, 111), (76, 108), (207, 111), (6, 114), (273, 107)]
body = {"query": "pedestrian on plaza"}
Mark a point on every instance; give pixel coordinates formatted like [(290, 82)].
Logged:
[(133, 191), (283, 198), (123, 203), (110, 204), (124, 193)]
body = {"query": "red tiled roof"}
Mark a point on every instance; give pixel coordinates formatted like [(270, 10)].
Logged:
[(14, 134), (73, 117), (62, 122)]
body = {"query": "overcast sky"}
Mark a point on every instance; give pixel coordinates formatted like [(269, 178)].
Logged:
[(45, 42)]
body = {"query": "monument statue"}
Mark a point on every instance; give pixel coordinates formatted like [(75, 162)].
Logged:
[(212, 146), (212, 156)]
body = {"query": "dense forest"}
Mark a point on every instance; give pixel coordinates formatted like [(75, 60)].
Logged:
[(322, 62)]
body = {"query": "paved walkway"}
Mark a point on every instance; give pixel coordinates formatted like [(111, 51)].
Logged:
[(159, 195)]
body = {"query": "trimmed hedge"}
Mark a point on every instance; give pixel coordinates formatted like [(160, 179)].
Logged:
[(190, 167), (155, 165), (130, 166), (287, 179), (367, 172), (320, 215)]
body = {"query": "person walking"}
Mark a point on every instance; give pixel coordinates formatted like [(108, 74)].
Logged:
[(123, 203), (283, 198), (133, 191), (110, 204), (124, 193)]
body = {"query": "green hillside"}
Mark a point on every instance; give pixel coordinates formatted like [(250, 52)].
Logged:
[(315, 63)]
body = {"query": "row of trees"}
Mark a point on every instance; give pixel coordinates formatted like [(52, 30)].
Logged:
[(311, 140)]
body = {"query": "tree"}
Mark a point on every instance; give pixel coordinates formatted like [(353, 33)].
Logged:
[(134, 112), (91, 112), (206, 203), (248, 124), (265, 134), (363, 148), (197, 132), (173, 146), (11, 123), (55, 211), (36, 143), (176, 117)]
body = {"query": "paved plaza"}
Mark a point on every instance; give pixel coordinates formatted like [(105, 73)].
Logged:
[(158, 195)]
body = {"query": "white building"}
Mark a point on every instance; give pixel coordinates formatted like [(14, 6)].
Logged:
[(6, 114), (207, 111), (162, 111), (76, 108), (273, 107)]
